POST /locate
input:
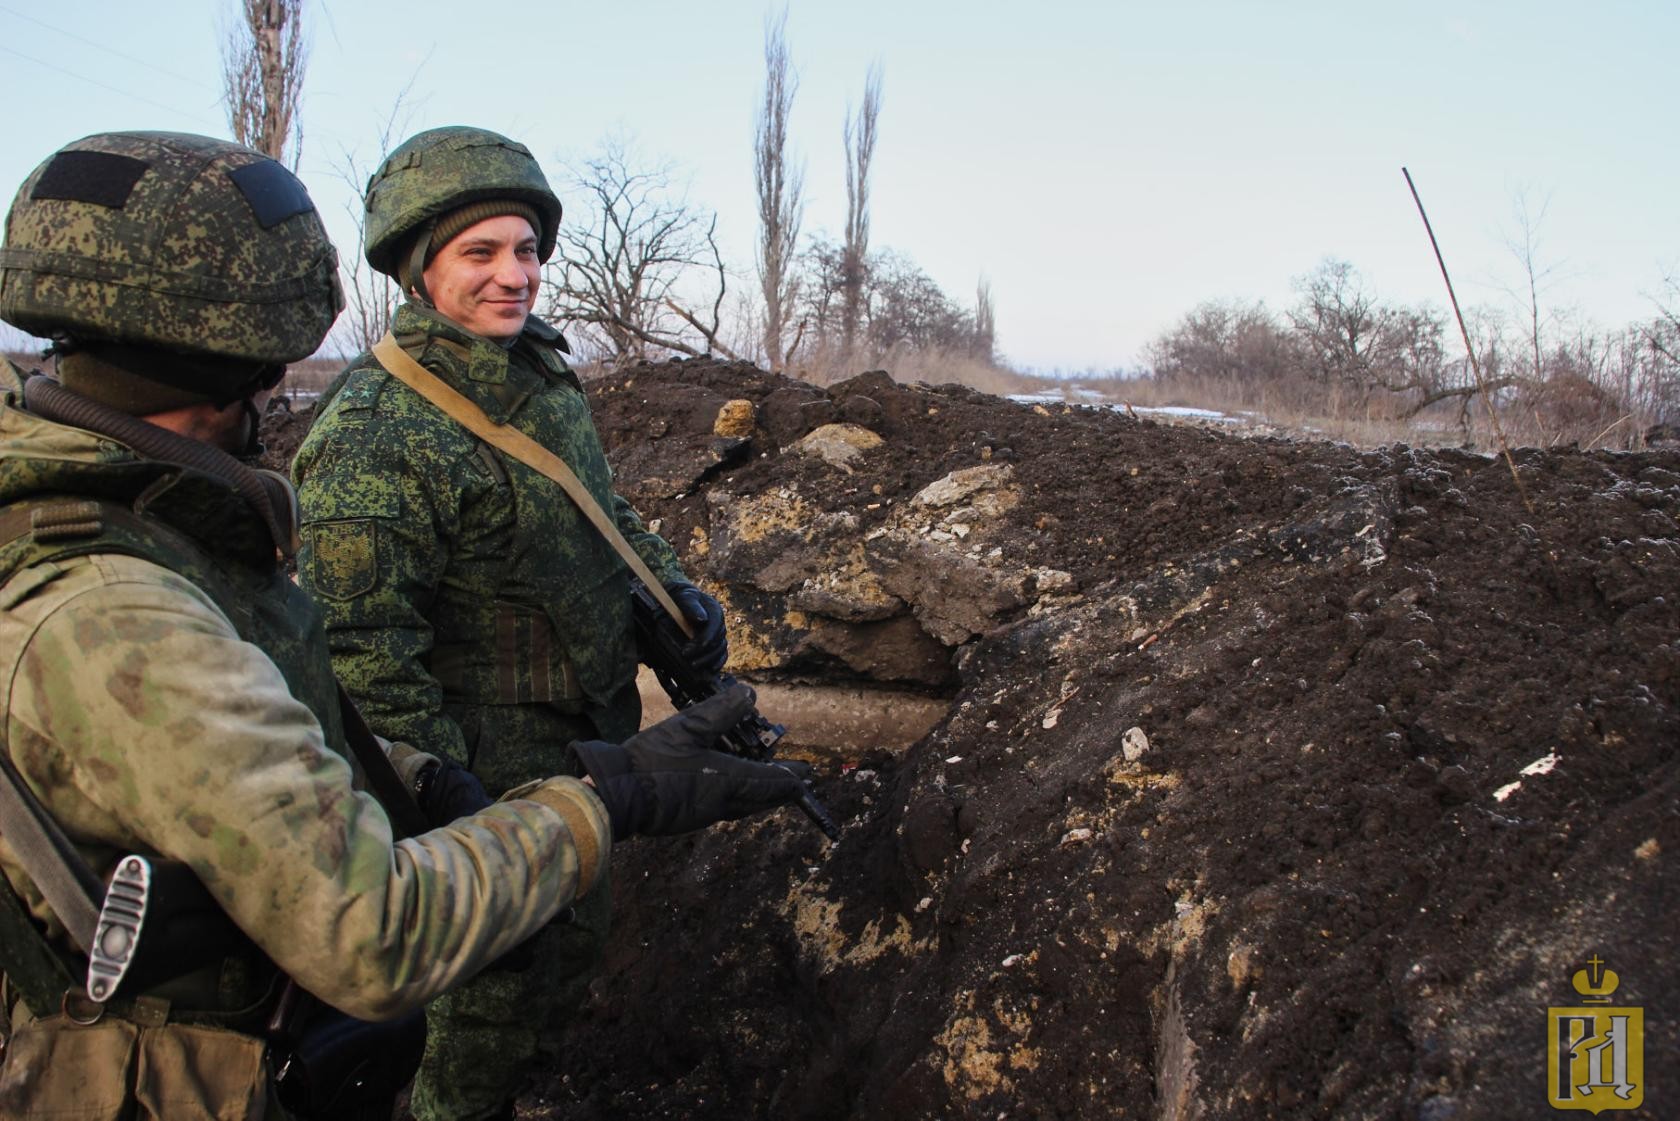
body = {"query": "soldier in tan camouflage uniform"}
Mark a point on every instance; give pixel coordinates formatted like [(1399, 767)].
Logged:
[(165, 690), (468, 601)]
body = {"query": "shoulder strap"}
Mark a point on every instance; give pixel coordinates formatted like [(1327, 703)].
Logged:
[(382, 778), (70, 886), (527, 451)]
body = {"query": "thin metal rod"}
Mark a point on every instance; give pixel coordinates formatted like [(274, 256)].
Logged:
[(1464, 333)]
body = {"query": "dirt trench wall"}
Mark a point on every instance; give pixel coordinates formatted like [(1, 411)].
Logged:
[(1246, 818), (1301, 792)]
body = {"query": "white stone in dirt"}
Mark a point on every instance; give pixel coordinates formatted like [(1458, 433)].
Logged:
[(838, 444), (1052, 580), (1134, 744), (961, 485)]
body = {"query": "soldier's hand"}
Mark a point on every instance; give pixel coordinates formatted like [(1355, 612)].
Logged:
[(447, 791), (708, 650), (666, 779)]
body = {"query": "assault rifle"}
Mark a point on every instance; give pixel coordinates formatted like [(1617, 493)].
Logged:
[(661, 643)]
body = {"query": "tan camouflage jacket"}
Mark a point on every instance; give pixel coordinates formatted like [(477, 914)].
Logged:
[(145, 723)]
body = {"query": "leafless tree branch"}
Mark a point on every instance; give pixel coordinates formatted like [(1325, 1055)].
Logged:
[(624, 262), (780, 190), (370, 297), (859, 135), (263, 63)]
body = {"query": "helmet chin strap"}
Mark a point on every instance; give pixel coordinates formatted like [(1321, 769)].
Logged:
[(251, 428), (414, 268)]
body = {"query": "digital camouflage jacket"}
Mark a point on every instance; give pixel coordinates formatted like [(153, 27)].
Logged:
[(468, 602), (147, 718)]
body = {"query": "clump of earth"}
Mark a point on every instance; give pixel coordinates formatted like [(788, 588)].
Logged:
[(1269, 778)]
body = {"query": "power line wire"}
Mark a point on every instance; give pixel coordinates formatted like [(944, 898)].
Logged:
[(102, 85), (101, 46)]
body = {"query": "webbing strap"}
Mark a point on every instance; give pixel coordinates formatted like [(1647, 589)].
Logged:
[(69, 885), (527, 451), (66, 882), (382, 778), (49, 519), (31, 967)]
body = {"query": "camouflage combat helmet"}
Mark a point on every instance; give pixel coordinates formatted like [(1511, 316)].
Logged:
[(172, 241), (441, 170)]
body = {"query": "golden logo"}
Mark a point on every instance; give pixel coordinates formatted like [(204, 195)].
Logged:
[(1595, 1054)]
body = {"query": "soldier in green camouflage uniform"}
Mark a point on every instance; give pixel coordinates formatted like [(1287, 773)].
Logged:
[(468, 601), (165, 690)]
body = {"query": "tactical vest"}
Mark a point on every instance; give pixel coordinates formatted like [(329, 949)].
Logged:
[(228, 562), (265, 607)]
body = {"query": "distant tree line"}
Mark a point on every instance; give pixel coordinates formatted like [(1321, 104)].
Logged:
[(1340, 350), (639, 275)]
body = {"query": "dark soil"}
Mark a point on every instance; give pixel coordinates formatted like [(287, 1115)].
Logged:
[(1314, 893)]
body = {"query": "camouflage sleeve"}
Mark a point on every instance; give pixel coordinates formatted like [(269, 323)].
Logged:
[(654, 550), (377, 500), (177, 737)]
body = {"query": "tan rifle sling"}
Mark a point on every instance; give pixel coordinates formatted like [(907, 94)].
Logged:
[(515, 443)]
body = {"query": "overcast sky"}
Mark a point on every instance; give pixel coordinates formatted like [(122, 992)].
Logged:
[(1107, 166)]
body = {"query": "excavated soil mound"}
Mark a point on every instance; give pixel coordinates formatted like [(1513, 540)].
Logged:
[(1306, 797)]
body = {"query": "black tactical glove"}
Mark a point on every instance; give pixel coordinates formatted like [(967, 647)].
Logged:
[(447, 791), (666, 780), (708, 650)]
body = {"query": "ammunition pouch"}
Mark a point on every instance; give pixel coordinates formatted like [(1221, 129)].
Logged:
[(97, 1063), (113, 1068)]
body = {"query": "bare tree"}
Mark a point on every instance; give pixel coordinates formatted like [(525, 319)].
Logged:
[(1341, 323), (905, 309), (1354, 342), (627, 266), (1524, 245), (985, 322), (859, 135), (263, 61), (819, 289), (370, 298), (901, 308), (1662, 334), (780, 193), (1231, 351)]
